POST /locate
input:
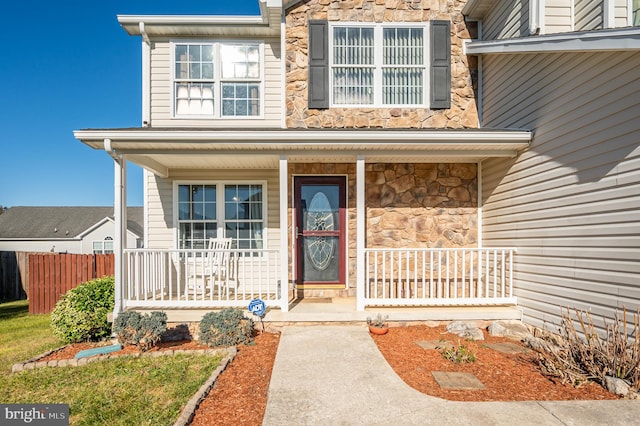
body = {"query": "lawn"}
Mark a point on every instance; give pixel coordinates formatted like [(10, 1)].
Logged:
[(121, 391)]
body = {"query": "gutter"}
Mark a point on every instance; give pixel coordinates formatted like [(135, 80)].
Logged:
[(262, 136)]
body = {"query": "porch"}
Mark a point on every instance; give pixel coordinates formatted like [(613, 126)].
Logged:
[(416, 284)]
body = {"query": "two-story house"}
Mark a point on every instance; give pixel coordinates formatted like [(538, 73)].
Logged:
[(368, 149)]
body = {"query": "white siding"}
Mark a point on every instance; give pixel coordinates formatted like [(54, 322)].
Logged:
[(557, 16), (161, 91), (506, 19), (621, 14), (571, 202), (589, 15), (161, 231)]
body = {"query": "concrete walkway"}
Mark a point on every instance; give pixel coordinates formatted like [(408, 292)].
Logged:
[(336, 375)]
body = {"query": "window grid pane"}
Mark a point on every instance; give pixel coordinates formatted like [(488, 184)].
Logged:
[(243, 215), (196, 215), (240, 99), (403, 66), (353, 58)]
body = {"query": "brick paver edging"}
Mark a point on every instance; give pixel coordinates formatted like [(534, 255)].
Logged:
[(33, 363)]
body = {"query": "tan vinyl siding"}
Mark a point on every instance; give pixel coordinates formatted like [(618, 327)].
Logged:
[(507, 19), (162, 97), (557, 16), (161, 230), (620, 12), (589, 15), (571, 202), (159, 226)]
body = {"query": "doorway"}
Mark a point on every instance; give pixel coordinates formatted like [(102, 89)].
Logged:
[(320, 230)]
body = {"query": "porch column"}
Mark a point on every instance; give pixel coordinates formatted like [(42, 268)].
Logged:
[(360, 233), (120, 216), (284, 236)]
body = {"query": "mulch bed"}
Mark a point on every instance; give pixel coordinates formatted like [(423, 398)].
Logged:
[(240, 393), (506, 377)]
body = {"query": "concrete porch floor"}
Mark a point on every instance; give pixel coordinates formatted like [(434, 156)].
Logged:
[(343, 310)]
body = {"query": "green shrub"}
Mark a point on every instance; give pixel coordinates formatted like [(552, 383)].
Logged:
[(144, 331), (228, 327), (81, 313), (460, 354)]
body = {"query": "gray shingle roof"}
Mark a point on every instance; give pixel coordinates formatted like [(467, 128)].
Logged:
[(61, 222)]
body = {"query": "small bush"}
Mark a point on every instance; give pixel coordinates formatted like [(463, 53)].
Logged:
[(460, 354), (144, 331), (228, 327), (81, 313), (582, 354)]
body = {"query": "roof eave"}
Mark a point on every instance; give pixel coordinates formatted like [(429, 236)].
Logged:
[(95, 138), (619, 39)]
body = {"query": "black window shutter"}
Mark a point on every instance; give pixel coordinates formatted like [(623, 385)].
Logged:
[(440, 64), (318, 94)]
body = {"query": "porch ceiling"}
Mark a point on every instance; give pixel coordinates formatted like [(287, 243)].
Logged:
[(161, 150)]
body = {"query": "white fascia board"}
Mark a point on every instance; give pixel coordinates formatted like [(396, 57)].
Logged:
[(94, 227), (323, 136), (604, 40), (134, 20)]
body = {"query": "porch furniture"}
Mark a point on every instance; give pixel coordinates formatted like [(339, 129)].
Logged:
[(213, 269)]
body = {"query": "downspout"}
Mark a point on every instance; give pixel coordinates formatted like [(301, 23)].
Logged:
[(535, 9), (146, 76), (120, 216), (283, 73), (146, 115)]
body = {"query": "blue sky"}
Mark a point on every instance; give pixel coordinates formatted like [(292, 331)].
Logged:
[(69, 65)]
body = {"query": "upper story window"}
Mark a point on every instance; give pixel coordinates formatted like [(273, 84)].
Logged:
[(378, 65), (217, 79), (635, 13)]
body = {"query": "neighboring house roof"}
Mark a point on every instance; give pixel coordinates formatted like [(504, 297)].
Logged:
[(61, 222)]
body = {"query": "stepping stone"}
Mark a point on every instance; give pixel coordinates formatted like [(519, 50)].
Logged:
[(434, 344), (507, 348), (457, 381)]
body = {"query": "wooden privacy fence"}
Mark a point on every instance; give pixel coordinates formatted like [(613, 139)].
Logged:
[(52, 275), (13, 273)]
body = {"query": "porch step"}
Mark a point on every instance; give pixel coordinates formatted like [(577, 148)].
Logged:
[(343, 310), (346, 312)]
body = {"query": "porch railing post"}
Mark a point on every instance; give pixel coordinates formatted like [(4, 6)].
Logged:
[(360, 233), (284, 236)]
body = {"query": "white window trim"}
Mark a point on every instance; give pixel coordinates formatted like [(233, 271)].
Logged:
[(220, 205), (377, 37), (217, 72), (102, 249)]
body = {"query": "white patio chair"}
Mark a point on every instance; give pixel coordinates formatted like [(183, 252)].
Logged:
[(212, 269), (217, 270)]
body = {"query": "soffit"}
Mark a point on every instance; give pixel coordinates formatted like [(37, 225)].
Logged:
[(477, 9)]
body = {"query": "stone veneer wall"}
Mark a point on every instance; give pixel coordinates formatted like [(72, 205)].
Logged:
[(463, 111), (422, 205), (408, 205)]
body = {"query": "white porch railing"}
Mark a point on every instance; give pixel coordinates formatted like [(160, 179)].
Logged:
[(187, 278), (439, 277)]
